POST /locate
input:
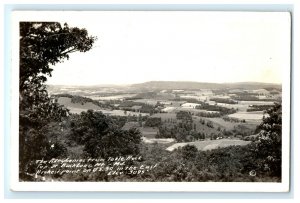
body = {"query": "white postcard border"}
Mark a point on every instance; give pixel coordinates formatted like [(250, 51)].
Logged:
[(128, 186)]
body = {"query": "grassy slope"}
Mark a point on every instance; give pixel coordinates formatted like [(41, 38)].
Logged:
[(77, 107), (210, 144)]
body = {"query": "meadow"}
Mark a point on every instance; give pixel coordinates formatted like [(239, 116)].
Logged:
[(255, 115), (210, 144)]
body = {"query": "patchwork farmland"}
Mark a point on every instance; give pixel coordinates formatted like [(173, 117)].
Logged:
[(178, 115)]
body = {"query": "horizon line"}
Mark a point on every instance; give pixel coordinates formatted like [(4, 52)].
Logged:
[(128, 84)]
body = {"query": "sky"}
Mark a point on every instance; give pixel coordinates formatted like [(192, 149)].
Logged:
[(140, 46)]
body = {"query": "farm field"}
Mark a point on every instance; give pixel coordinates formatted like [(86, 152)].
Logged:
[(208, 126), (195, 110), (153, 102), (204, 128), (122, 113), (149, 132), (114, 97), (164, 116), (223, 124), (158, 140), (78, 108), (240, 107), (210, 144), (201, 98), (255, 115), (147, 101), (244, 105), (169, 109), (231, 125), (218, 123), (257, 102)]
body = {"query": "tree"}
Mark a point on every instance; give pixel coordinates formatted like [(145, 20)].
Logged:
[(269, 141), (153, 122), (210, 124), (184, 115), (42, 44), (189, 152), (45, 43), (101, 137)]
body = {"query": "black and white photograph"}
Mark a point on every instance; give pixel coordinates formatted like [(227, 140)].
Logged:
[(114, 97)]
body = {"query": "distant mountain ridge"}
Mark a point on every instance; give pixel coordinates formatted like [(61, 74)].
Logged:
[(168, 85), (187, 85)]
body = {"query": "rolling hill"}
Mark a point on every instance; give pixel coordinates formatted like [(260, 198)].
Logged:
[(187, 85)]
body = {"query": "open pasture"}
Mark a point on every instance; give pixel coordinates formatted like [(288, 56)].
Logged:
[(210, 144), (255, 115)]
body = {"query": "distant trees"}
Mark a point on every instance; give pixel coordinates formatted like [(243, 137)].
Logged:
[(220, 109), (166, 132), (153, 122), (234, 120), (182, 131), (247, 96), (145, 108), (184, 115), (145, 95), (210, 124), (76, 99), (259, 107), (208, 114), (202, 121), (224, 100), (242, 130)]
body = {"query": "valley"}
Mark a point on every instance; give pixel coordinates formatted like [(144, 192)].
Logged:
[(178, 113)]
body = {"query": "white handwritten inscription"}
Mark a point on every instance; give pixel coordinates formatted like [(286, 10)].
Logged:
[(112, 166)]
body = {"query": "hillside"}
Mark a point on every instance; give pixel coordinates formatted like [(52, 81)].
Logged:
[(210, 144), (167, 85), (77, 107), (144, 88)]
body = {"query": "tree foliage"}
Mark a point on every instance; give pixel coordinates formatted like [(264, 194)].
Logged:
[(153, 122), (101, 137), (46, 43), (42, 44), (269, 147)]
